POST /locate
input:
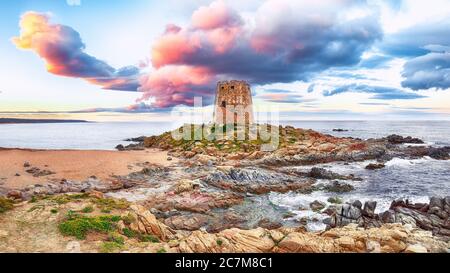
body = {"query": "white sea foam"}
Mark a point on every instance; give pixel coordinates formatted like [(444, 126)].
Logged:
[(401, 162)]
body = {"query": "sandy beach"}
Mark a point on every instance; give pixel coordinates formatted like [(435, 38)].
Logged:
[(72, 164)]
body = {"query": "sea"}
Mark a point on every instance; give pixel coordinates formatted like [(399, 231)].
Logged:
[(415, 179)]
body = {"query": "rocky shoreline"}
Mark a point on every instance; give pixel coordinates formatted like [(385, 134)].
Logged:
[(217, 192)]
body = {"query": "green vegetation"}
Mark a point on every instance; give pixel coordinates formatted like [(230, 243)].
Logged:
[(87, 209), (54, 211), (219, 242), (106, 205), (115, 237), (41, 207), (110, 247), (148, 238), (128, 219), (129, 233), (66, 198), (79, 226), (141, 237), (33, 199), (5, 204), (161, 250)]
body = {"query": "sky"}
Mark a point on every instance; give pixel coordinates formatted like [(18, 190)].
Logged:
[(139, 59)]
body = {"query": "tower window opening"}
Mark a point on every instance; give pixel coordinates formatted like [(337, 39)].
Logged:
[(224, 104)]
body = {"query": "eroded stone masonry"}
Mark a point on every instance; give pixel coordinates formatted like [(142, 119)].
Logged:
[(233, 103)]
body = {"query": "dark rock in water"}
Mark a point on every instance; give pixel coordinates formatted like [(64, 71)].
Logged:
[(396, 139), (317, 205), (268, 224), (288, 215), (439, 153), (335, 200), (120, 147), (338, 187), (131, 147), (136, 139), (375, 166), (321, 173), (340, 130)]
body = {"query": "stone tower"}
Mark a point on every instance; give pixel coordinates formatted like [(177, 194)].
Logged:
[(233, 103)]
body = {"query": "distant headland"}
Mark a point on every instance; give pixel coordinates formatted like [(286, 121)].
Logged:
[(17, 121)]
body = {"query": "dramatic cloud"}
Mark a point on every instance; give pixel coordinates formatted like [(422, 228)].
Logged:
[(428, 71), (63, 51), (379, 92), (284, 42)]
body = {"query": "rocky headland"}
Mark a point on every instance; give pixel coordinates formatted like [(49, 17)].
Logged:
[(211, 196)]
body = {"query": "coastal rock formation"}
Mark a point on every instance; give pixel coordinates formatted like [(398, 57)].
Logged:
[(193, 201), (433, 217), (256, 181), (396, 139), (66, 186), (41, 217), (321, 173), (387, 239), (147, 223)]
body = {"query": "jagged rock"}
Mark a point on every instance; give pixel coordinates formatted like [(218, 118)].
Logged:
[(369, 208), (147, 223), (321, 173), (194, 201), (374, 166), (185, 185), (396, 139), (256, 181), (268, 224), (439, 153), (187, 222), (317, 205), (432, 217), (338, 187), (228, 241)]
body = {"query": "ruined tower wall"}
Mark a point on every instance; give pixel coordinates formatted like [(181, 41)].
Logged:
[(233, 103)]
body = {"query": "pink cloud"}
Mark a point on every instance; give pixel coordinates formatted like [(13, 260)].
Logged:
[(63, 51), (216, 15), (176, 84)]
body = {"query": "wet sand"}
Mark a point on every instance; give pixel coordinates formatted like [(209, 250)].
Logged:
[(73, 164)]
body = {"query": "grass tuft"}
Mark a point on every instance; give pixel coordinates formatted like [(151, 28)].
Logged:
[(110, 247), (5, 204), (79, 226)]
